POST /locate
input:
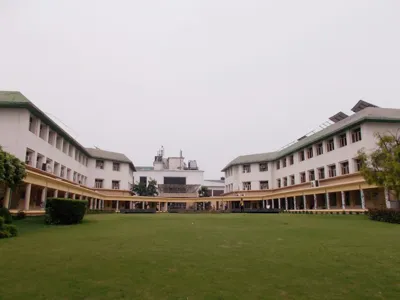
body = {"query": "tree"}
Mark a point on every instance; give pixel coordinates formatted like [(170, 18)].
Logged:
[(204, 192), (381, 167), (12, 170), (141, 189)]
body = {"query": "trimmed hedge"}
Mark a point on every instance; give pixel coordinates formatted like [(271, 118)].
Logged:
[(7, 230), (5, 213), (97, 211), (61, 211), (385, 215)]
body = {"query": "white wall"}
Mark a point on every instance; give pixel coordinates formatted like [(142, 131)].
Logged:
[(124, 175)]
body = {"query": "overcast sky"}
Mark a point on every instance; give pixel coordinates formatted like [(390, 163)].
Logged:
[(215, 78)]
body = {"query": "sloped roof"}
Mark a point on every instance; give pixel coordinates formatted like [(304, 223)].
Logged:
[(367, 114), (109, 155)]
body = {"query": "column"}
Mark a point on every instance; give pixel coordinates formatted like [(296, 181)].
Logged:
[(117, 207), (362, 198), (315, 201), (7, 198), (279, 203), (96, 203), (327, 201), (43, 197), (142, 204), (387, 198), (343, 200), (102, 204), (90, 203), (273, 204), (66, 195), (27, 196), (304, 202), (286, 204), (72, 196), (55, 195), (295, 202)]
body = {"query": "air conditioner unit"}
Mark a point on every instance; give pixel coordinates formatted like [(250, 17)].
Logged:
[(314, 183)]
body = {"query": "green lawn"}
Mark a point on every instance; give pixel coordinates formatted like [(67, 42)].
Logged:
[(225, 256)]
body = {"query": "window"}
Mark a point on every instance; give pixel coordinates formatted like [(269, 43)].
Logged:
[(302, 177), (311, 175), (43, 131), (278, 181), (344, 167), (292, 180), (284, 181), (62, 172), (29, 157), (48, 167), (263, 167), (69, 174), (246, 169), (332, 171), (39, 161), (74, 179), (76, 155), (32, 124), (143, 180), (99, 164), (115, 185), (70, 150), (284, 163), (321, 173), (330, 145), (357, 165), (98, 183), (301, 155), (59, 142), (356, 135), (65, 147), (278, 165), (115, 166), (291, 160), (310, 152), (320, 149), (56, 170), (264, 185), (342, 140), (247, 186), (52, 137)]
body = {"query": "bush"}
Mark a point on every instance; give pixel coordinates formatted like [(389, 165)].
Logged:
[(20, 215), (7, 230), (65, 211), (384, 215), (5, 213)]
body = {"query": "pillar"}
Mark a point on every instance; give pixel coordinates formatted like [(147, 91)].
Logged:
[(304, 202), (43, 197), (142, 204), (72, 196), (27, 196), (66, 195), (327, 201), (166, 206), (315, 201), (90, 203), (117, 207), (295, 202), (286, 204), (279, 203), (362, 198), (7, 198), (55, 195), (273, 204), (387, 198), (343, 200)]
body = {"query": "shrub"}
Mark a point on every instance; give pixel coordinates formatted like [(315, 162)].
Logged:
[(7, 230), (384, 215), (20, 215), (65, 211), (5, 213)]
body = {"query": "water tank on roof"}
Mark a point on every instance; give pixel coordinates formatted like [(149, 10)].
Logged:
[(193, 165)]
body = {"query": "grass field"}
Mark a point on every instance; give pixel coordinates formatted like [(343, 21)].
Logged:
[(226, 256)]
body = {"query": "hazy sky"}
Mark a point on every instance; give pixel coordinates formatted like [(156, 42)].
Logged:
[(215, 78)]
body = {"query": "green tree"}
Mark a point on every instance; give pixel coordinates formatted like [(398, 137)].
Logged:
[(381, 167), (141, 189), (204, 192), (12, 170)]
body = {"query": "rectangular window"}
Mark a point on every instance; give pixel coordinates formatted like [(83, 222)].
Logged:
[(278, 165), (344, 167), (278, 181), (56, 168), (246, 168), (43, 131), (291, 160), (29, 157), (356, 135), (70, 150), (284, 162), (357, 165), (330, 145), (48, 166), (116, 166), (69, 174), (115, 185), (52, 138), (302, 177), (310, 153), (65, 147), (247, 186), (62, 172), (301, 155), (32, 124), (284, 181), (143, 180), (292, 180), (332, 171), (320, 149), (75, 177), (311, 175), (264, 185), (342, 140), (76, 155), (263, 167), (98, 183), (321, 173), (59, 142), (99, 164)]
